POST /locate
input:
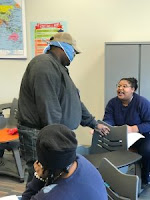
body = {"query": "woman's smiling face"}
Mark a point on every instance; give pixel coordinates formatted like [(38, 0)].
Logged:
[(125, 90)]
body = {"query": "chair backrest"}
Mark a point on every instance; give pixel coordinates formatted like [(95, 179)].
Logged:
[(11, 121), (119, 186), (116, 140)]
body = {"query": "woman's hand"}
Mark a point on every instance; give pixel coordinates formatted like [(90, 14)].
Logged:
[(133, 129), (39, 170)]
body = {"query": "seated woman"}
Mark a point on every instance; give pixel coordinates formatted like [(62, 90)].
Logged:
[(134, 110), (59, 172)]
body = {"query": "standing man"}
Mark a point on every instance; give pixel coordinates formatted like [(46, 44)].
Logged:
[(48, 95)]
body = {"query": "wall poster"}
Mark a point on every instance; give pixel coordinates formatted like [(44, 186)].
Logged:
[(41, 33)]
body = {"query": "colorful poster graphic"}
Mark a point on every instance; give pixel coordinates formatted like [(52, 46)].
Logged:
[(12, 29), (41, 33)]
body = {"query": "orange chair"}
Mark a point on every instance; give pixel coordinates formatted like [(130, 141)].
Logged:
[(9, 139)]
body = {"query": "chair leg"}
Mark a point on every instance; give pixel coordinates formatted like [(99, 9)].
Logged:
[(138, 173), (18, 163)]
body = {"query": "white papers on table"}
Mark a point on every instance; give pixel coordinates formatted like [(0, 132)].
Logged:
[(11, 197), (133, 137)]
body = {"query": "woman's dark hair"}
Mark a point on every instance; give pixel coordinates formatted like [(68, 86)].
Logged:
[(132, 81)]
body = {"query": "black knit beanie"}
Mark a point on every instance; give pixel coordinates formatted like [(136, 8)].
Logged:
[(56, 147)]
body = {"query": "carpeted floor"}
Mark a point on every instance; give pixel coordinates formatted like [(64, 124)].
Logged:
[(10, 185)]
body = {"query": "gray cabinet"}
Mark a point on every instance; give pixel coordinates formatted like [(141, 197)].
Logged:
[(145, 71), (127, 60)]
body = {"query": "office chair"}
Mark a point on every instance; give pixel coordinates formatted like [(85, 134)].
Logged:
[(119, 186), (114, 147), (10, 141)]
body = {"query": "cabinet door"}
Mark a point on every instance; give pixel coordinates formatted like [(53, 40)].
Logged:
[(121, 60), (145, 71)]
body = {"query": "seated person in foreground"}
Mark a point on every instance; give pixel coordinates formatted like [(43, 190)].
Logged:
[(134, 110), (60, 173)]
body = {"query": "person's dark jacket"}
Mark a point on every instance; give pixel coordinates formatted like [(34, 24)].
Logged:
[(48, 95)]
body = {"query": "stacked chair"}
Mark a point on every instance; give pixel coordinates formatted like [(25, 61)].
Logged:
[(113, 147), (9, 140), (119, 186)]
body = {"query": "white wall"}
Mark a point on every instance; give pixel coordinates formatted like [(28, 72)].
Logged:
[(91, 22)]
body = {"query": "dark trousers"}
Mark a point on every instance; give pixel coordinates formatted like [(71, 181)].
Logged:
[(143, 148), (28, 138)]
